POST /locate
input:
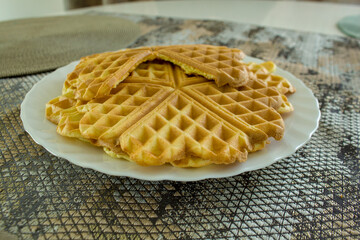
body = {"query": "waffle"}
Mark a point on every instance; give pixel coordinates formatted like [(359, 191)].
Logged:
[(112, 115), (96, 75), (162, 73), (55, 106), (154, 72), (264, 71), (159, 114), (69, 119), (108, 118), (254, 106), (221, 64), (181, 127)]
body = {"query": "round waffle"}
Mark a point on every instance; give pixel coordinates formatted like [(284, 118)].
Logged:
[(159, 114)]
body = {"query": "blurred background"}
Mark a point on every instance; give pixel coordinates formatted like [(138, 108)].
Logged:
[(69, 4), (14, 9)]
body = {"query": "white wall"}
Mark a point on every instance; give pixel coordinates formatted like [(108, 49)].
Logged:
[(15, 9)]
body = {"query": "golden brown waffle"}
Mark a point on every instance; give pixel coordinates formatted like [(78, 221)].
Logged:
[(265, 92), (55, 106), (183, 163), (255, 106), (264, 71), (162, 73), (180, 128), (105, 122), (159, 114), (96, 75), (154, 72), (68, 125), (262, 68), (218, 63)]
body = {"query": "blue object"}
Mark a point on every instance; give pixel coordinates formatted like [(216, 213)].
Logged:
[(350, 25)]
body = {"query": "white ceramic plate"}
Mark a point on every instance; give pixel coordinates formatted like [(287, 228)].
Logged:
[(300, 125)]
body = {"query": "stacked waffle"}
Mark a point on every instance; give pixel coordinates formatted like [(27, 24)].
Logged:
[(188, 105)]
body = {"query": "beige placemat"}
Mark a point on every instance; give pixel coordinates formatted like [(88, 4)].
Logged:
[(40, 44)]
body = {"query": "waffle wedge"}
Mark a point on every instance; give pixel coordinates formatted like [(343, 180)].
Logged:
[(254, 107), (180, 128), (55, 106), (69, 119), (96, 75), (218, 63), (265, 72), (112, 115)]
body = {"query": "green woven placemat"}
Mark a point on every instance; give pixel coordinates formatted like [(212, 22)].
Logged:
[(41, 44)]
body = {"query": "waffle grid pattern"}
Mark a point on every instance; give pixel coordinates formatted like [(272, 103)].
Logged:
[(103, 118), (219, 63), (223, 59), (178, 127), (96, 75), (57, 105), (250, 105), (264, 72), (156, 72)]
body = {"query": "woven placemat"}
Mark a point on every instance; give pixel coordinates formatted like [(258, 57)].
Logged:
[(312, 194), (41, 44)]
